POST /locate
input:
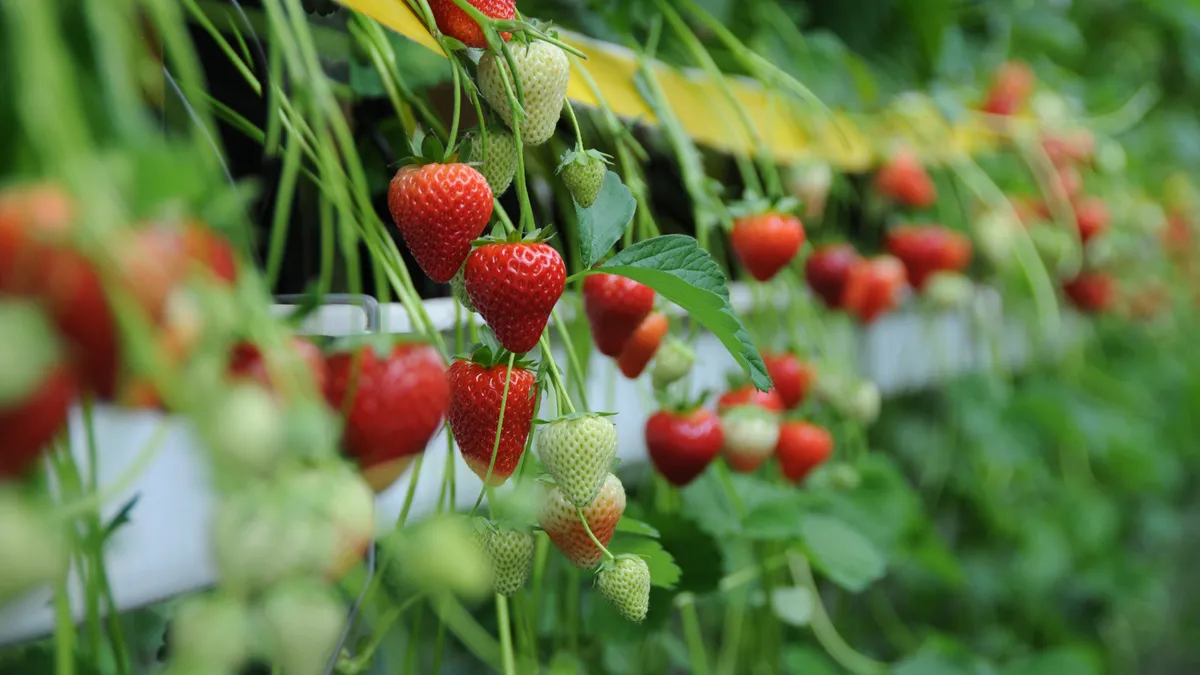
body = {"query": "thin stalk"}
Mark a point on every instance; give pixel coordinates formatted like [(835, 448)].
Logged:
[(556, 377), (577, 373), (588, 528), (692, 634), (506, 644), (574, 124), (499, 430), (824, 629)]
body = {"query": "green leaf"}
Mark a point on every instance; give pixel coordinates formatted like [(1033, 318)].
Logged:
[(774, 521), (120, 519), (634, 526), (663, 570), (682, 272), (602, 224), (793, 605), (841, 552), (806, 660), (928, 663)]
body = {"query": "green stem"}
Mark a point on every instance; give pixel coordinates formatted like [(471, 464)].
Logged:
[(574, 124), (456, 71), (518, 116), (824, 629), (499, 430), (588, 528), (556, 377), (506, 644), (577, 373), (691, 632)]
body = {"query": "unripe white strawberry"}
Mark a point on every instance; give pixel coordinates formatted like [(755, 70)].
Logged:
[(578, 451), (345, 505), (625, 582), (865, 402), (948, 290), (244, 429), (750, 436), (560, 520), (511, 554), (499, 163), (672, 363), (212, 629), (304, 622), (543, 70), (441, 554), (33, 548), (260, 536)]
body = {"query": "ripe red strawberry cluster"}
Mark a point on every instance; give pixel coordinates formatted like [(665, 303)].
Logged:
[(748, 427), (624, 325), (41, 262), (865, 288)]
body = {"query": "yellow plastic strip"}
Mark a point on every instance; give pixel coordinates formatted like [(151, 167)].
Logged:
[(703, 111)]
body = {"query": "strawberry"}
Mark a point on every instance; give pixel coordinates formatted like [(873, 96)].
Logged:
[(672, 363), (1066, 183), (511, 555), (873, 287), (625, 582), (476, 394), (498, 161), (1090, 291), (393, 399), (213, 628), (615, 307), (543, 70), (1091, 217), (767, 242), (33, 542), (578, 451), (747, 395), (926, 249), (29, 426), (792, 377), (1011, 86), (682, 444), (302, 621), (560, 520), (583, 173), (949, 290), (458, 288), (642, 345), (38, 386), (802, 447), (903, 180), (515, 286), (826, 271), (440, 209), (247, 361), (750, 436), (453, 22)]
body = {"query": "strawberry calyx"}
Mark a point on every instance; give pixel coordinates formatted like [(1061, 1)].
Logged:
[(488, 352), (577, 415), (538, 236), (679, 404), (753, 204), (427, 148), (583, 157)]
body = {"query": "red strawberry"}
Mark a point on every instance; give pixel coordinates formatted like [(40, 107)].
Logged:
[(926, 249), (827, 269), (28, 427), (560, 520), (792, 377), (643, 345), (246, 360), (454, 22), (1091, 217), (683, 444), (903, 180), (440, 209), (1010, 88), (476, 393), (615, 307), (802, 447), (392, 400), (767, 242), (748, 395), (1090, 292), (874, 287), (1067, 183), (515, 286)]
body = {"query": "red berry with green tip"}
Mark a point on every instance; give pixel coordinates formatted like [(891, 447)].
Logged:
[(615, 307), (454, 22)]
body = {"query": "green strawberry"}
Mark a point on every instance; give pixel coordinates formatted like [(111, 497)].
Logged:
[(625, 582), (583, 171), (499, 164), (578, 452), (511, 554), (672, 363), (543, 70), (458, 287)]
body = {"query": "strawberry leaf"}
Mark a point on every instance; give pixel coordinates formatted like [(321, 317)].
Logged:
[(602, 224), (843, 554), (664, 573), (682, 272)]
